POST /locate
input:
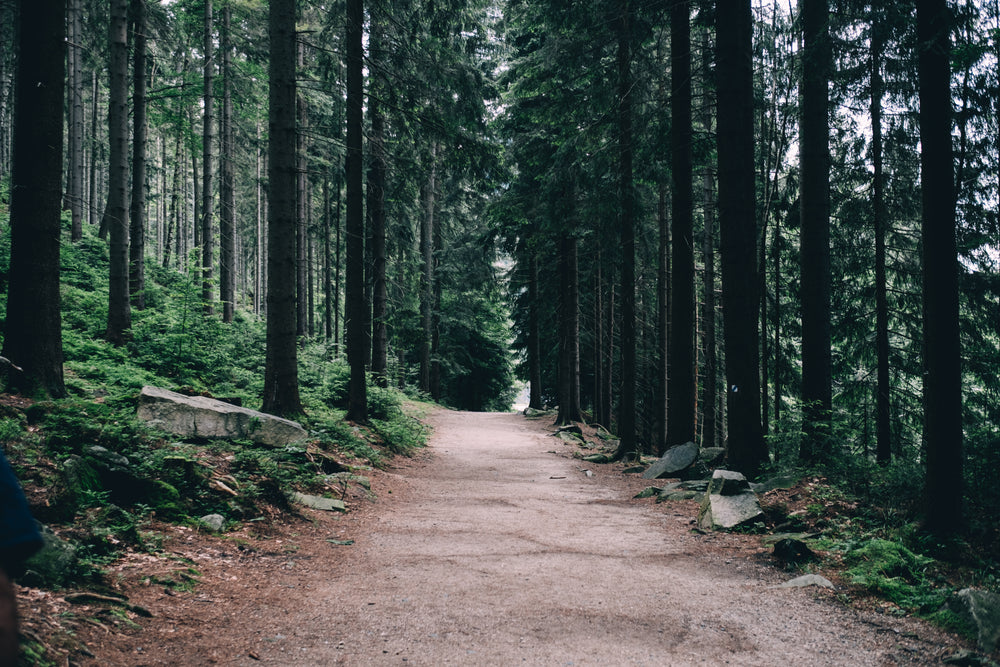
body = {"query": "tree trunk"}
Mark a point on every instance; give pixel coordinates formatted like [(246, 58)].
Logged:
[(683, 384), (814, 162), (281, 380), (569, 328), (357, 410), (137, 217), (747, 450), (942, 346), (883, 407), (376, 212), (599, 416), (327, 272), (627, 406), (115, 218), (33, 327), (227, 190), (75, 126), (302, 197), (710, 390), (534, 337), (427, 281), (663, 294), (207, 168), (94, 145)]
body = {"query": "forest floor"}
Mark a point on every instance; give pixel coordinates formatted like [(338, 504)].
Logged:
[(493, 546)]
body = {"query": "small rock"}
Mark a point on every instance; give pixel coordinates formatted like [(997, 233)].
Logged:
[(633, 469), (598, 458), (807, 580), (214, 522), (648, 492), (318, 502), (680, 495), (790, 552)]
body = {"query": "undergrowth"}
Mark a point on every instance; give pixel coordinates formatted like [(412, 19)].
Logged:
[(103, 479)]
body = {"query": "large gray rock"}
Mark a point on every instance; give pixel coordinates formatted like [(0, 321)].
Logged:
[(55, 565), (982, 609), (675, 459), (728, 503), (201, 417)]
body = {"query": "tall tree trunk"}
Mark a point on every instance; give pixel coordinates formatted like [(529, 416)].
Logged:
[(710, 390), (663, 294), (376, 211), (33, 327), (599, 416), (627, 406), (814, 163), (569, 329), (942, 344), (115, 218), (357, 339), (94, 147), (281, 379), (207, 167), (75, 143), (436, 315), (883, 407), (327, 272), (137, 217), (336, 275), (302, 197), (427, 279), (227, 190), (747, 450), (534, 337), (174, 215), (683, 384)]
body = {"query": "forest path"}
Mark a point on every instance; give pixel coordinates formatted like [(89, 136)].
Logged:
[(495, 551)]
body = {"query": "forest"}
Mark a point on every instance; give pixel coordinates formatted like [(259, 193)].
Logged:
[(769, 226)]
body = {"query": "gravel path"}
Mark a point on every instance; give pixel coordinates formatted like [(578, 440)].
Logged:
[(505, 554), (497, 548)]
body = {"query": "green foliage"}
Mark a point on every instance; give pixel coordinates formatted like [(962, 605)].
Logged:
[(401, 434), (892, 571)]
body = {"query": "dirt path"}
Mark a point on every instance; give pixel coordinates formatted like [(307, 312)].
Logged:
[(497, 552)]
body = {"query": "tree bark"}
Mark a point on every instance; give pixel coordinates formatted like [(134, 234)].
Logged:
[(357, 339), (942, 343), (33, 327), (302, 197), (626, 413), (281, 380), (814, 163), (534, 337), (227, 190), (376, 212), (883, 407), (427, 280), (569, 328), (663, 295), (207, 166), (75, 125), (683, 384), (747, 450), (137, 217), (115, 219)]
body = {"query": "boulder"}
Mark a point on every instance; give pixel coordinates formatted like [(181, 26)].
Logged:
[(729, 502), (56, 565), (201, 417), (712, 456), (982, 610), (675, 459)]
